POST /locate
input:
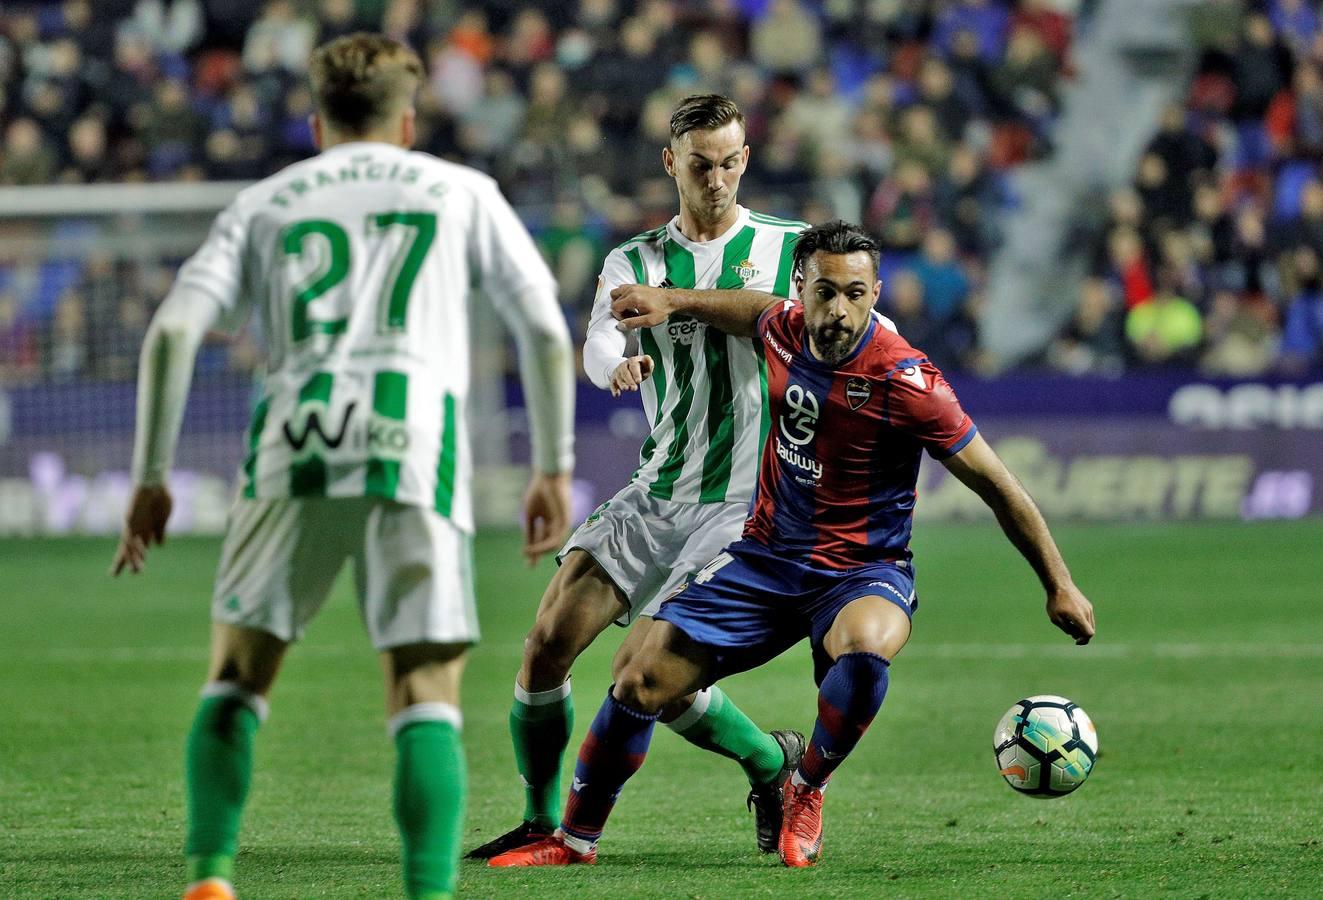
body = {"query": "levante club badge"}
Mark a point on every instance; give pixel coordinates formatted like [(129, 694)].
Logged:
[(857, 392)]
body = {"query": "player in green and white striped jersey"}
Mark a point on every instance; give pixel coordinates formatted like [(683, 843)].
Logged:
[(359, 262), (703, 393)]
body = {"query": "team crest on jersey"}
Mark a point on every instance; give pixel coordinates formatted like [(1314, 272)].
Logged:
[(745, 269), (597, 514), (857, 392)]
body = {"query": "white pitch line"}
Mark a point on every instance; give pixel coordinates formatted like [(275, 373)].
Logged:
[(918, 649)]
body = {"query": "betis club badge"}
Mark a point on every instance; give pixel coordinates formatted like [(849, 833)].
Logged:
[(746, 270)]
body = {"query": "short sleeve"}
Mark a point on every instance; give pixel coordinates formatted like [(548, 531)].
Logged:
[(772, 314), (921, 403), (217, 268), (502, 253)]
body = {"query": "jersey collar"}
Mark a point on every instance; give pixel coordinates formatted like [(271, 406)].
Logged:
[(673, 232)]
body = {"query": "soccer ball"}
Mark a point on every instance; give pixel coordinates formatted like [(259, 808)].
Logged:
[(1045, 746)]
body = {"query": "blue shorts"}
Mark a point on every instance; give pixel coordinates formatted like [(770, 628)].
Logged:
[(750, 605)]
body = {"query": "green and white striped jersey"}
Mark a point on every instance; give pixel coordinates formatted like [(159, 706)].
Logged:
[(360, 262), (705, 399)]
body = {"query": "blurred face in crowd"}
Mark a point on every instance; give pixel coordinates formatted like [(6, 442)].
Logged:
[(707, 166), (838, 291)]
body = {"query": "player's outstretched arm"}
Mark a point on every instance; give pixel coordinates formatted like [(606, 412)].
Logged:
[(165, 369), (734, 312), (983, 472)]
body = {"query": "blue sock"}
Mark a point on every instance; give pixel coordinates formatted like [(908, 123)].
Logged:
[(848, 699), (614, 750)]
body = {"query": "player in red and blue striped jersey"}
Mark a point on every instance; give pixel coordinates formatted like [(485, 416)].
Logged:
[(825, 552), (837, 485)]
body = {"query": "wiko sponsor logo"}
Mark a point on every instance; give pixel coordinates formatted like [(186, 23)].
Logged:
[(388, 438), (312, 424)]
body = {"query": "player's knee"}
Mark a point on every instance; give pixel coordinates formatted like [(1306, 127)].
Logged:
[(640, 689), (549, 651)]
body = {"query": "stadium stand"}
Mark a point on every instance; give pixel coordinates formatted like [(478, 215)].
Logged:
[(906, 115)]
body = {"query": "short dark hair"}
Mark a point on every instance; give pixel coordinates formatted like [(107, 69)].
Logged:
[(360, 80), (835, 237), (704, 112)]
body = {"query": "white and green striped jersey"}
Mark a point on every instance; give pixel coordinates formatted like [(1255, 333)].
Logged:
[(360, 263), (705, 399)]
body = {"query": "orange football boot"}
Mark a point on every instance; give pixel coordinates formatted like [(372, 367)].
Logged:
[(801, 825), (210, 889), (552, 851)]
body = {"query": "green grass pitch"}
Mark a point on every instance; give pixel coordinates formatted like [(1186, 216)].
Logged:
[(1205, 684)]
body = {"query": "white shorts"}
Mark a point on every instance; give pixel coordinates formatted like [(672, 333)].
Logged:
[(413, 569), (648, 546)]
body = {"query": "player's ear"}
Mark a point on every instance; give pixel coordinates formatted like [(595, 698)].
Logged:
[(668, 161), (744, 161), (877, 290), (315, 123)]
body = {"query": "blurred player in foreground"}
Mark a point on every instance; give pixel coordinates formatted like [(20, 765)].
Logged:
[(359, 262), (825, 553), (689, 496)]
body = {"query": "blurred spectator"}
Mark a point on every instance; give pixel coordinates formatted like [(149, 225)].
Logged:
[(88, 160), (966, 201), (19, 359), (982, 21), (574, 252), (1051, 25), (1127, 266), (908, 311), (492, 125), (903, 208), (1025, 81), (1241, 338), (788, 39), (1302, 338), (937, 92), (172, 128), (920, 142), (336, 18), (1092, 342), (456, 77), (27, 159), (945, 286), (1165, 329), (624, 76), (66, 353), (1262, 67), (281, 37), (173, 26)]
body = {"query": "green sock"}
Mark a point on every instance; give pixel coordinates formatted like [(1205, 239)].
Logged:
[(723, 728), (430, 790), (541, 724), (218, 769)]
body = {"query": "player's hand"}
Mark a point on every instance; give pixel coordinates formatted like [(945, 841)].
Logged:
[(144, 525), (546, 514), (630, 374), (1071, 611), (641, 306)]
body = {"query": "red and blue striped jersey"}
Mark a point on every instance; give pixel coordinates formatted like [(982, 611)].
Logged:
[(840, 466)]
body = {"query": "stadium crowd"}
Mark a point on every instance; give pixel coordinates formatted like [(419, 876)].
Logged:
[(906, 115)]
